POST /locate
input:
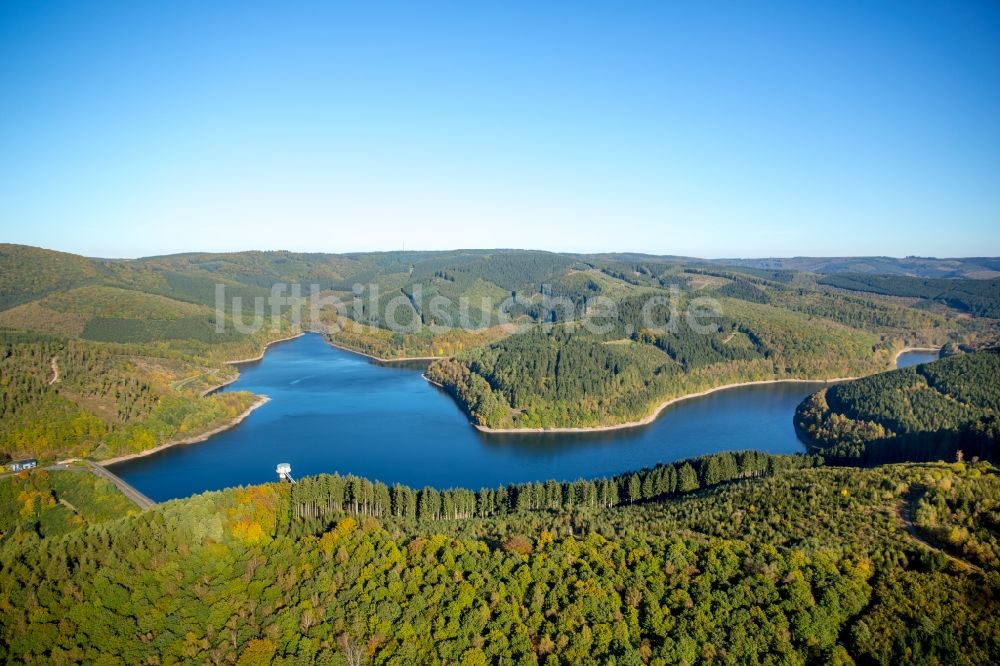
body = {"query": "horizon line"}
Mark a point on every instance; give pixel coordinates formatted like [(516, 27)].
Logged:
[(509, 249)]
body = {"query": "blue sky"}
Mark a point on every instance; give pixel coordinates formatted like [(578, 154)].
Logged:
[(703, 128)]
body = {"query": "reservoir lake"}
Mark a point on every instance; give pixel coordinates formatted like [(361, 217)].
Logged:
[(334, 411)]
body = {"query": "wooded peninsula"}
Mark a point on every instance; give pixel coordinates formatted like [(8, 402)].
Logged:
[(524, 339)]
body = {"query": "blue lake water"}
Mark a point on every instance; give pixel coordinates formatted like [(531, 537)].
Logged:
[(916, 358), (333, 411)]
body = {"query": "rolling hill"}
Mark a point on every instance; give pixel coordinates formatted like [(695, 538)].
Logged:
[(154, 323)]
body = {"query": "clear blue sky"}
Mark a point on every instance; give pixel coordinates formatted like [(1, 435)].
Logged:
[(703, 128)]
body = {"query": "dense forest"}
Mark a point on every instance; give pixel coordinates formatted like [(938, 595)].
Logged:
[(43, 504), (791, 564), (926, 412), (769, 324), (526, 339), (978, 297), (316, 498), (66, 397), (564, 376)]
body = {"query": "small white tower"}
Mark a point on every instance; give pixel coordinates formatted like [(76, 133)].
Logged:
[(284, 471)]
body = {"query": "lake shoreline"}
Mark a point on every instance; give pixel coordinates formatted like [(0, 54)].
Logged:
[(655, 414), (193, 439), (659, 409), (379, 359), (906, 350), (261, 400), (218, 387), (263, 351), (411, 433)]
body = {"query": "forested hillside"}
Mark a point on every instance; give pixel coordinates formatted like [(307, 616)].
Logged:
[(136, 342), (767, 325), (927, 412), (978, 297), (43, 504), (64, 397), (101, 358), (558, 377), (315, 499), (801, 565), (922, 267)]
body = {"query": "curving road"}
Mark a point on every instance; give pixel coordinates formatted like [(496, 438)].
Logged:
[(55, 371), (128, 491), (906, 511)]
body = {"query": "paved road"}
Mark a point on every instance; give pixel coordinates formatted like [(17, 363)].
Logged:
[(131, 493), (140, 500)]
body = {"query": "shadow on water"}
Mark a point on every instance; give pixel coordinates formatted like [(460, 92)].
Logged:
[(917, 357)]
